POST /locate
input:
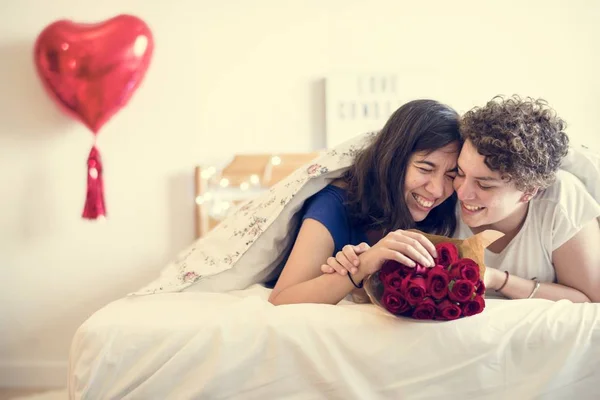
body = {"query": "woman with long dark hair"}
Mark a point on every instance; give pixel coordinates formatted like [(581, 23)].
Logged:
[(401, 180)]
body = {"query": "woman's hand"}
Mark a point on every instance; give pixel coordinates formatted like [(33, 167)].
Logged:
[(402, 246), (346, 260)]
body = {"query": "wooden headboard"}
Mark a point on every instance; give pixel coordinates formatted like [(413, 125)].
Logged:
[(244, 177)]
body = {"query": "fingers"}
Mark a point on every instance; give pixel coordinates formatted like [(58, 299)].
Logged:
[(346, 260), (334, 266), (342, 259), (401, 258), (426, 243), (349, 252), (326, 269), (361, 248), (412, 249), (420, 243), (408, 251)]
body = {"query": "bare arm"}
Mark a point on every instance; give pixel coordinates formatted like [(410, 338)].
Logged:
[(301, 280), (577, 265), (520, 288)]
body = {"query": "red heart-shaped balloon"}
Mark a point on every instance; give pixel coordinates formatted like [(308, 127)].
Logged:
[(92, 70)]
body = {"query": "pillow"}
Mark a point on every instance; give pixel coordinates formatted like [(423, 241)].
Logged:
[(584, 163)]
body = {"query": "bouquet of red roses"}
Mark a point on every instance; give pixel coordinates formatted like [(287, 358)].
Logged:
[(452, 289)]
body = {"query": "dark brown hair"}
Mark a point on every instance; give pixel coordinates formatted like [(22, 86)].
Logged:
[(376, 178), (522, 139)]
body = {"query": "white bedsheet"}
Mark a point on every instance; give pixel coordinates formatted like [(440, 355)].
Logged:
[(238, 346)]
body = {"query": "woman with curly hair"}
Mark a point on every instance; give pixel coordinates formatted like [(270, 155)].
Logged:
[(509, 180)]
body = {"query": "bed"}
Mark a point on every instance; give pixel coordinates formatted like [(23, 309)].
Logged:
[(236, 345)]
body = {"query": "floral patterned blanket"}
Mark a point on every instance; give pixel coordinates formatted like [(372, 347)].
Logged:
[(249, 245)]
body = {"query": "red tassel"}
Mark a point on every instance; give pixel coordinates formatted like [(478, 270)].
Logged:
[(94, 200)]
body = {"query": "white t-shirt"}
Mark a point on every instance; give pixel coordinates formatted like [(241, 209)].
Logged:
[(555, 216)]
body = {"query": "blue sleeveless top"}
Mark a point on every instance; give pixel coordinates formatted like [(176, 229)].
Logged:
[(328, 207)]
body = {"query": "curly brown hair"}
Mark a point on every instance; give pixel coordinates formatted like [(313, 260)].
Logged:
[(523, 139)]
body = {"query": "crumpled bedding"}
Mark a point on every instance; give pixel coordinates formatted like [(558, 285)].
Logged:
[(238, 346)]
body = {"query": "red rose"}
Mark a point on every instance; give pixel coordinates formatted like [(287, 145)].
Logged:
[(447, 254), (473, 307), (480, 291), (465, 268), (425, 310), (394, 303), (414, 289), (437, 282), (392, 281), (447, 310), (461, 291), (389, 267)]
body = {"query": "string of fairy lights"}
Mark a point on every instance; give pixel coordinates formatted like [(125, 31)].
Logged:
[(220, 195)]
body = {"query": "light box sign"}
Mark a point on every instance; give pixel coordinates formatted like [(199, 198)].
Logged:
[(359, 103)]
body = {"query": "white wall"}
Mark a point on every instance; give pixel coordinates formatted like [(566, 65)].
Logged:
[(229, 76)]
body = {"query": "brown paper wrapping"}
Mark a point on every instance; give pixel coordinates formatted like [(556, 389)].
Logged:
[(473, 247)]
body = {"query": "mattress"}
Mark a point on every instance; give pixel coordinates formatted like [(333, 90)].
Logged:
[(236, 345)]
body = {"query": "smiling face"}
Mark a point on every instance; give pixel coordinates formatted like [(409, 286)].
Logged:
[(486, 199), (428, 180)]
